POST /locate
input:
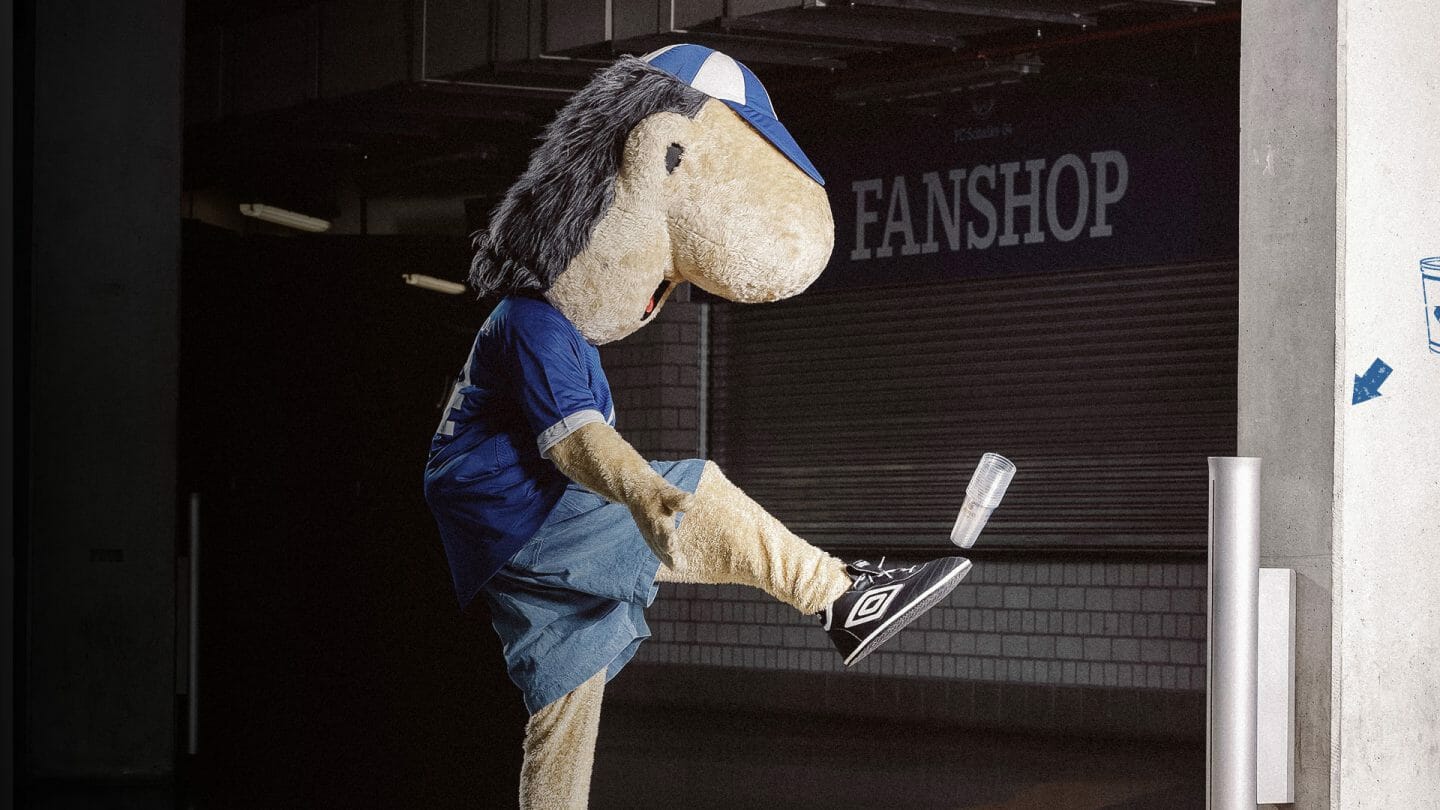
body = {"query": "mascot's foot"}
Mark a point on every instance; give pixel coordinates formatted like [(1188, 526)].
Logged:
[(883, 600)]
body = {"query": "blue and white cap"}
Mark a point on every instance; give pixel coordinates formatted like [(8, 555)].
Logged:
[(720, 77)]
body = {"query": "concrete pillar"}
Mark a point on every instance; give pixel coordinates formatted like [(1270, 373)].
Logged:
[(1386, 620), (1287, 369), (1338, 185), (100, 614)]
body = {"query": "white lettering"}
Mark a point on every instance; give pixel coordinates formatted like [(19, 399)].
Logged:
[(982, 204), (1106, 195), (897, 221), (1082, 197), (949, 214), (863, 215), (1030, 199)]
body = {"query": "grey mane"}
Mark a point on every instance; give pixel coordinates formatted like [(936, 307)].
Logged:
[(547, 216)]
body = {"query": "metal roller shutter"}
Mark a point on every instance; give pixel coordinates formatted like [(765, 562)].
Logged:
[(858, 416)]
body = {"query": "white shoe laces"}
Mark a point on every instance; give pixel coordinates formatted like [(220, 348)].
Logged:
[(874, 573)]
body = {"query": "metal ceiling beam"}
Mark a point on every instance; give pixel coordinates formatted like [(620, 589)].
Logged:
[(939, 82), (775, 51), (986, 9), (756, 48), (844, 26)]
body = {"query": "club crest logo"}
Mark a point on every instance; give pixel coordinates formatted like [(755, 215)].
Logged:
[(872, 605)]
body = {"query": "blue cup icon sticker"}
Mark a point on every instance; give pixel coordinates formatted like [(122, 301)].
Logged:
[(1430, 276)]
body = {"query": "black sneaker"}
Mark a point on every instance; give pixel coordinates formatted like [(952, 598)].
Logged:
[(883, 600)]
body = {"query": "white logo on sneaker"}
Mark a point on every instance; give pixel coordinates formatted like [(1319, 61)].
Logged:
[(872, 605)]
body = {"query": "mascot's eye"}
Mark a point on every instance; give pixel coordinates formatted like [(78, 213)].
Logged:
[(672, 157)]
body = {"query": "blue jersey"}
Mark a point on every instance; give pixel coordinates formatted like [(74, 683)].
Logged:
[(530, 381)]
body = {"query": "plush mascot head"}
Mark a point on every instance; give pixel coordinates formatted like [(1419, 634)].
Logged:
[(663, 169)]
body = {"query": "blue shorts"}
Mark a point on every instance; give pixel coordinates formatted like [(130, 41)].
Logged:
[(572, 600)]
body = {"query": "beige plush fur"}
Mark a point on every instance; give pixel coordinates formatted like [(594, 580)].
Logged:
[(747, 224), (736, 218), (599, 459), (560, 750), (727, 538)]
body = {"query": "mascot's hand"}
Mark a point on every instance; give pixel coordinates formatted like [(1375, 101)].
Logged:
[(598, 458), (655, 515)]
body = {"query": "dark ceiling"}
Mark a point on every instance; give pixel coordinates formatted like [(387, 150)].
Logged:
[(288, 100)]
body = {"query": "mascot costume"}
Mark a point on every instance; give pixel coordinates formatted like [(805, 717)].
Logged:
[(665, 169)]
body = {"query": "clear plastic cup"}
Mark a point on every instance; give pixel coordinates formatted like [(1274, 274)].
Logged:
[(984, 493)]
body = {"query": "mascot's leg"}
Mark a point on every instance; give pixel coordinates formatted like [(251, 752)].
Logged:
[(560, 750), (727, 538)]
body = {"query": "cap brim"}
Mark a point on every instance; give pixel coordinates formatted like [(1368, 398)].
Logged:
[(776, 134)]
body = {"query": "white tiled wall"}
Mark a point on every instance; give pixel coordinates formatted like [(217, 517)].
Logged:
[(1103, 623), (655, 380)]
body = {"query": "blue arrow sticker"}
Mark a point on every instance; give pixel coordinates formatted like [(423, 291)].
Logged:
[(1368, 386)]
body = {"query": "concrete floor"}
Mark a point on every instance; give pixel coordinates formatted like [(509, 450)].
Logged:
[(649, 758)]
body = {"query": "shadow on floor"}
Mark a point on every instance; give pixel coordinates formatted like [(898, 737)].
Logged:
[(653, 758), (649, 759)]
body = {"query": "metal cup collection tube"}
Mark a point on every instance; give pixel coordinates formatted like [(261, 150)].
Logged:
[(1234, 575)]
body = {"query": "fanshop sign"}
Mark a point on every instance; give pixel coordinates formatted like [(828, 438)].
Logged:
[(1148, 178), (1004, 204)]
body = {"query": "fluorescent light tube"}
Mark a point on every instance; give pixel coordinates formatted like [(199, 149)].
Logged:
[(289, 219), (431, 283)]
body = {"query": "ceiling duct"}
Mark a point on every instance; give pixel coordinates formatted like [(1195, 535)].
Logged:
[(970, 76)]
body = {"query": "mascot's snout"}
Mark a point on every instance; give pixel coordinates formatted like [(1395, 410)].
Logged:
[(746, 223)]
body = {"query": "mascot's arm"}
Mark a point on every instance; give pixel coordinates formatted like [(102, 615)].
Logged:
[(598, 458)]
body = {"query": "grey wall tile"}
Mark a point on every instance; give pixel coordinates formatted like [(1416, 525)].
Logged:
[(1154, 600), (987, 644), (1154, 650), (1097, 649), (1072, 598), (1068, 647), (1125, 599), (1187, 600), (964, 595), (1097, 598), (989, 596), (1033, 628), (1125, 649)]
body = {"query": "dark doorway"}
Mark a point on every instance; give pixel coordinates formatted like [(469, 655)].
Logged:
[(335, 668)]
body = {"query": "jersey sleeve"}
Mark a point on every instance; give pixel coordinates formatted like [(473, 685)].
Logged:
[(552, 381)]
